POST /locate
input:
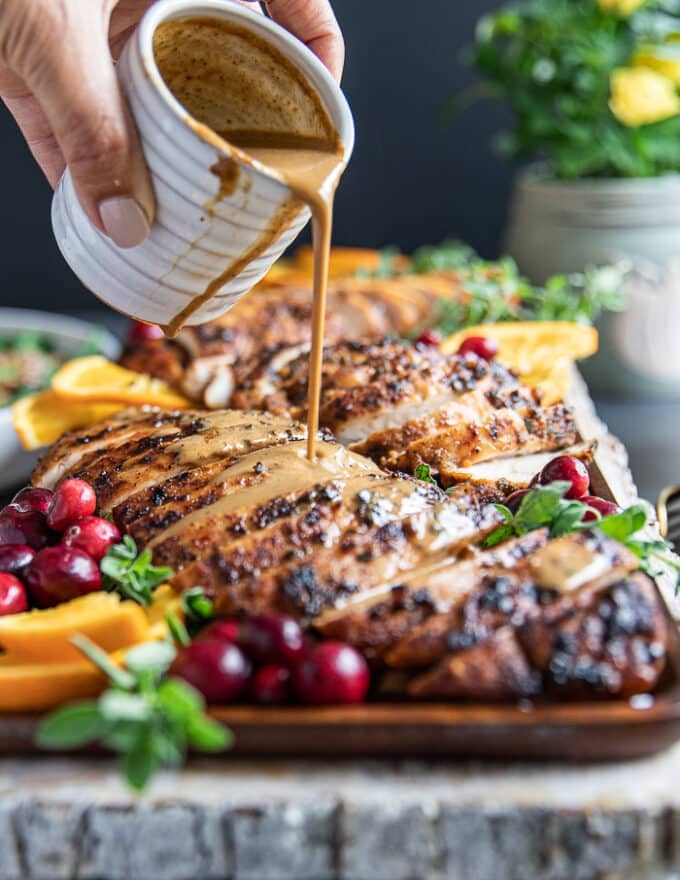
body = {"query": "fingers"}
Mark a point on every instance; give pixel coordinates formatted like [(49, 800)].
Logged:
[(72, 77), (313, 22)]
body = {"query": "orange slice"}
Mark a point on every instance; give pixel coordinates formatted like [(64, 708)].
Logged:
[(346, 261), (33, 687), (42, 418), (44, 635), (97, 379), (542, 352)]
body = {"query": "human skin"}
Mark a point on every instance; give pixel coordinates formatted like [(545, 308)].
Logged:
[(58, 80)]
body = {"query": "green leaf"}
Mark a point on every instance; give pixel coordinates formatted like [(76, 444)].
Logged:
[(568, 518), (179, 699), (121, 736), (141, 762), (155, 657), (197, 606), (118, 706), (422, 472), (71, 726), (132, 575), (502, 533), (540, 506), (178, 631), (102, 661), (207, 735), (624, 525)]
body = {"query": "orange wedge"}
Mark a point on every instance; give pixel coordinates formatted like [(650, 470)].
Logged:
[(542, 352), (97, 379), (346, 261), (33, 687), (44, 635), (42, 418)]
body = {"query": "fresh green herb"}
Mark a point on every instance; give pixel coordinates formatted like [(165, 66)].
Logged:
[(546, 507), (131, 574), (149, 719), (491, 291), (422, 472), (197, 606), (178, 631)]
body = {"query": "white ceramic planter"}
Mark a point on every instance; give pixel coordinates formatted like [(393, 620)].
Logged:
[(565, 226), (189, 246)]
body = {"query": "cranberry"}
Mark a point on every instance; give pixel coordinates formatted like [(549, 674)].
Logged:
[(14, 558), (141, 332), (58, 574), (604, 508), (218, 670), (331, 672), (25, 527), (93, 535), (430, 339), (13, 598), (513, 501), (271, 685), (271, 638), (483, 346), (32, 499), (73, 500), (567, 469), (222, 631)]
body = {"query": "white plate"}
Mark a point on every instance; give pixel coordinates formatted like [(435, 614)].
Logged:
[(67, 335)]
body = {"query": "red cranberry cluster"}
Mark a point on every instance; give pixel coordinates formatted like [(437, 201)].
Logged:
[(483, 346), (51, 544), (568, 469), (266, 657)]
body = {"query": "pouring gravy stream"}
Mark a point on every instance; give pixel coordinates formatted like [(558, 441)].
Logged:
[(248, 100)]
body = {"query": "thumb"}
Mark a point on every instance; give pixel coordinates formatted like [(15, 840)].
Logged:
[(74, 81)]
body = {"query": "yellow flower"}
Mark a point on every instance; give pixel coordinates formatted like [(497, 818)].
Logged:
[(622, 8), (640, 96), (665, 61)]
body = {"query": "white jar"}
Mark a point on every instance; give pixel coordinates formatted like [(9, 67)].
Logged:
[(188, 246)]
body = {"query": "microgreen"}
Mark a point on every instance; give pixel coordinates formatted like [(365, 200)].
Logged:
[(149, 719), (546, 507), (131, 574), (422, 472)]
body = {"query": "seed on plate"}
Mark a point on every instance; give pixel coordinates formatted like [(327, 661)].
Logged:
[(13, 599), (72, 500)]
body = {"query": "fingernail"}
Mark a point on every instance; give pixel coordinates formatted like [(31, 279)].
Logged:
[(124, 221)]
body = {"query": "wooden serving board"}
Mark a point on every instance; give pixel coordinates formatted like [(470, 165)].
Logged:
[(594, 731)]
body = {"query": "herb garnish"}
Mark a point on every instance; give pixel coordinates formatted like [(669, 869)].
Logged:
[(130, 574), (149, 719), (493, 291), (197, 606), (422, 472), (546, 507)]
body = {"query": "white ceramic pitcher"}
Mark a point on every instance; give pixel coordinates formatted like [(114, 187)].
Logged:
[(188, 246)]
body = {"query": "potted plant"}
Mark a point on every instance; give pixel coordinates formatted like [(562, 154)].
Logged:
[(594, 86)]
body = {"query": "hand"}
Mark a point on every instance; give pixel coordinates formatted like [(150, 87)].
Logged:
[(58, 80)]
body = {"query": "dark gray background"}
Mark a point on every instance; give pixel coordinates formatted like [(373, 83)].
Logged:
[(413, 179)]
